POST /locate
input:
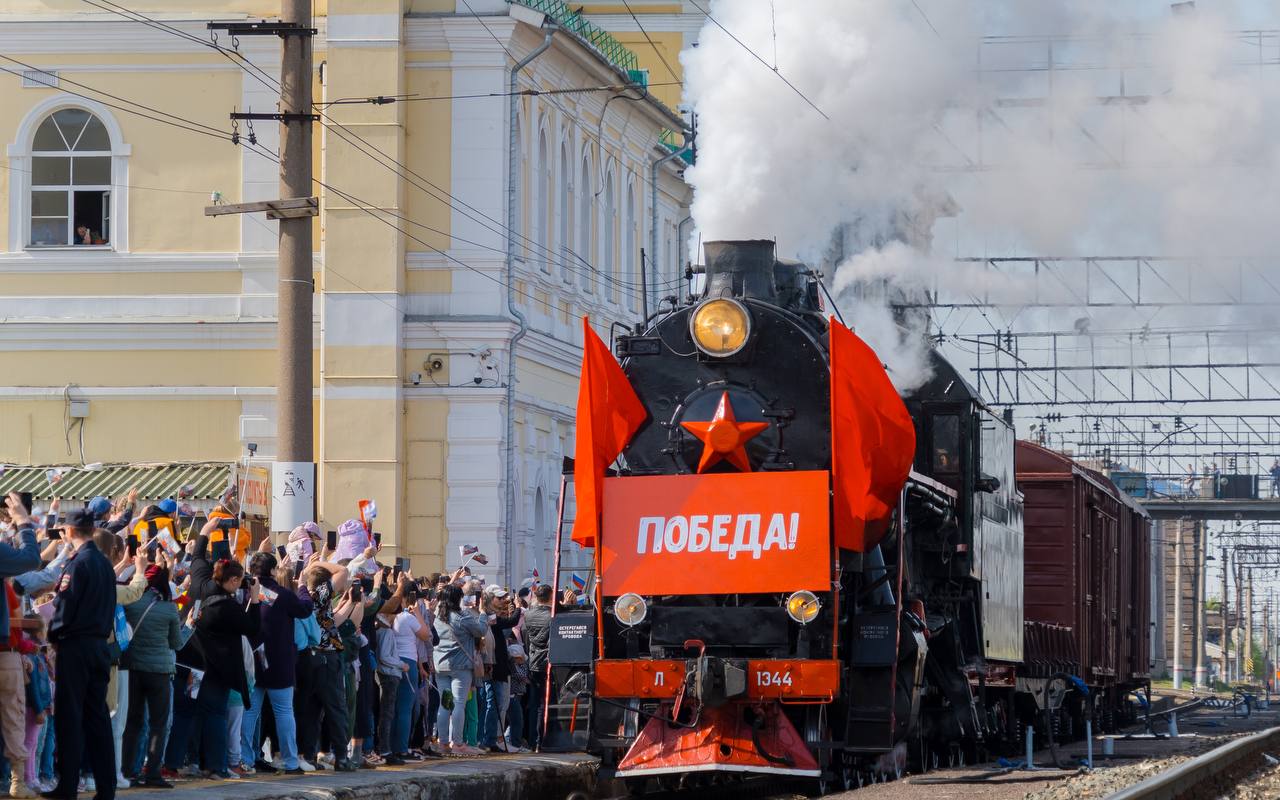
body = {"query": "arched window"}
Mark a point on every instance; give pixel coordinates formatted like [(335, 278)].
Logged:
[(630, 257), (585, 219), (564, 211), (71, 179), (545, 197), (609, 258)]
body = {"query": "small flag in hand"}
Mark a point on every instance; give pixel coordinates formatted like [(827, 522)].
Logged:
[(579, 582), (368, 513), (471, 552)]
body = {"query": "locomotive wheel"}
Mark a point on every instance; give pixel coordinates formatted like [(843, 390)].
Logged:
[(816, 730)]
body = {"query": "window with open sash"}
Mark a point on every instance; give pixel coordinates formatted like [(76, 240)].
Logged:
[(71, 181)]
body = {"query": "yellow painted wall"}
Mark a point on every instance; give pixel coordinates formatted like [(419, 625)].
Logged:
[(145, 367), (203, 8), (669, 45), (125, 429), (427, 144), (546, 382), (426, 451), (88, 284)]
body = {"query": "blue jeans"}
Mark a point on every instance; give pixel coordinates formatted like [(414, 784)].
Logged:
[(211, 708), (286, 727), (46, 750), (449, 724), (406, 696), (515, 721), (487, 704)]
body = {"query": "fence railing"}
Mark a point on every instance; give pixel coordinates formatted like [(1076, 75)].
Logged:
[(613, 51)]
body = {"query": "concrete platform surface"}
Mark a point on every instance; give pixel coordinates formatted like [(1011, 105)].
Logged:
[(535, 776)]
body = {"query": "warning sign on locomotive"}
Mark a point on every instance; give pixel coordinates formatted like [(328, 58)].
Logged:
[(732, 532)]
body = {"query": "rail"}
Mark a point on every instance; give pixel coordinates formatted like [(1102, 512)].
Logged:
[(1191, 778), (613, 51)]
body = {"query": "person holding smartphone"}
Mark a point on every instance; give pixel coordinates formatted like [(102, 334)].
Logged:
[(223, 620)]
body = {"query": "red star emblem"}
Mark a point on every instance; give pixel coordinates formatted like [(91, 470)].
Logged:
[(723, 437)]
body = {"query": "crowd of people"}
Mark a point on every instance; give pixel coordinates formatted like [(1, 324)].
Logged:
[(136, 656)]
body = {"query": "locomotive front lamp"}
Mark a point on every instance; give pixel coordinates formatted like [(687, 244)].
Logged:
[(720, 327), (803, 606), (630, 609)]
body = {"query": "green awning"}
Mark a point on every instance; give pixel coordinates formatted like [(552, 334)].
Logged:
[(206, 479)]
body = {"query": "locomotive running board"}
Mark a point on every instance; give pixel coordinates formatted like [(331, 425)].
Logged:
[(650, 772)]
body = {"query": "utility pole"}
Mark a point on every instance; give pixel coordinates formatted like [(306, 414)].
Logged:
[(1201, 542), (1248, 624), (1177, 605), (293, 482), (1239, 620), (1226, 640)]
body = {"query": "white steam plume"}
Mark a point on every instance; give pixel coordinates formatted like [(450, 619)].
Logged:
[(938, 145)]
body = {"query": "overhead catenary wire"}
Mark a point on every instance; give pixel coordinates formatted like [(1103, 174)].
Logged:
[(400, 168), (649, 39), (388, 99), (757, 57)]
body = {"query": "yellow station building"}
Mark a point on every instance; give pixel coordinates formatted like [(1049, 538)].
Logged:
[(134, 328)]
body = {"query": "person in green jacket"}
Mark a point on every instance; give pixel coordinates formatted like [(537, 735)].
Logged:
[(150, 659)]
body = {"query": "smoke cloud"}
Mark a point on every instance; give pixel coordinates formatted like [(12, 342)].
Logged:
[(1155, 134)]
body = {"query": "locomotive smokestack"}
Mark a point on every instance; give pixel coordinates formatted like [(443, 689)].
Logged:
[(741, 268)]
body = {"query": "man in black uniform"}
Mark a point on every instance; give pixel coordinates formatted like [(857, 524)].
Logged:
[(83, 614)]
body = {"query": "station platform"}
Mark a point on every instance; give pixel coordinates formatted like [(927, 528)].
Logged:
[(553, 776)]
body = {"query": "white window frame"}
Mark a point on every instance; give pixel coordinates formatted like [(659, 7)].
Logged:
[(19, 153)]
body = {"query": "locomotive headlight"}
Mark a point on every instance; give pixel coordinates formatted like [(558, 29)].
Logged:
[(719, 327), (803, 606), (630, 609)]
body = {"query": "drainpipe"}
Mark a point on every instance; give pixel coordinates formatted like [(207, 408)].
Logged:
[(680, 241), (653, 224), (522, 324)]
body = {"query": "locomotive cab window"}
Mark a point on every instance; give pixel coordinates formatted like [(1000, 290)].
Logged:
[(945, 458)]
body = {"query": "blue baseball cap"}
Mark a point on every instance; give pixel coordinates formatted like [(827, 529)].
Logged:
[(168, 505), (99, 506)]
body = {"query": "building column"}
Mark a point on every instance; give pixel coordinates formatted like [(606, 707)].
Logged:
[(361, 418)]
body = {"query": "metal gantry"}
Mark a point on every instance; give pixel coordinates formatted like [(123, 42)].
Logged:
[(1126, 367)]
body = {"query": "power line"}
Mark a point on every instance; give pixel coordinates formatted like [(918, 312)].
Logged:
[(271, 83), (756, 56), (135, 186), (647, 38), (388, 99), (925, 17)]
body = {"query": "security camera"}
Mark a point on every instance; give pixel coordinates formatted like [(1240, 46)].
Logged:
[(477, 380), (415, 377), (252, 447), (482, 352)]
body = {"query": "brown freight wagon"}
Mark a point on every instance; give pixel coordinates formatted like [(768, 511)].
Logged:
[(1086, 576)]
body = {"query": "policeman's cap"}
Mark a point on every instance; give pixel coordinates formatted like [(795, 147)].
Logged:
[(82, 521)]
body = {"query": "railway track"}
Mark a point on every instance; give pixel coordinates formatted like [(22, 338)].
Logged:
[(1216, 773)]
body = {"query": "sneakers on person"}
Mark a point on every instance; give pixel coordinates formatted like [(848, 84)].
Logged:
[(305, 765), (154, 783), (242, 771), (345, 765), (17, 788), (169, 774), (444, 749), (324, 761), (190, 771), (466, 750), (393, 760), (410, 755), (121, 781), (265, 767), (374, 760)]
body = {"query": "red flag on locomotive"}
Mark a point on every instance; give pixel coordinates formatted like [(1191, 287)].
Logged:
[(873, 441), (609, 412)]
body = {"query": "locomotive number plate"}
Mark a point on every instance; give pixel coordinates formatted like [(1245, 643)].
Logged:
[(807, 678)]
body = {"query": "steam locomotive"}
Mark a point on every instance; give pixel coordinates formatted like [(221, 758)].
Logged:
[(735, 636)]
